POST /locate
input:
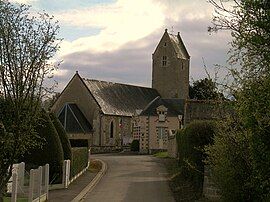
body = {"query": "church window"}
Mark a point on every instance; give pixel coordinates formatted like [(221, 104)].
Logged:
[(165, 44), (164, 61), (111, 129)]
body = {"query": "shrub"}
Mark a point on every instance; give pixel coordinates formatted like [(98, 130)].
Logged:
[(50, 152), (62, 136), (191, 143), (231, 163), (135, 145), (79, 160)]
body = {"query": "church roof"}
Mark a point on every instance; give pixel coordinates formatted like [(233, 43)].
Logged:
[(175, 107), (119, 99), (179, 46)]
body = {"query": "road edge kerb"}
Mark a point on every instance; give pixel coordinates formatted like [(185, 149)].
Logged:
[(92, 184)]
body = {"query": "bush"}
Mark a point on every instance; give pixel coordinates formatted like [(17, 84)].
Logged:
[(79, 160), (135, 145), (50, 152), (62, 136), (231, 163), (191, 143)]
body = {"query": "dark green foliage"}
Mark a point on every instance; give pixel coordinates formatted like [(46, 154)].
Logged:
[(79, 160), (231, 164), (204, 89), (240, 156), (62, 135), (191, 142), (51, 151), (135, 145)]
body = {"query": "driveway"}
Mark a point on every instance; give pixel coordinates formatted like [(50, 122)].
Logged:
[(131, 178)]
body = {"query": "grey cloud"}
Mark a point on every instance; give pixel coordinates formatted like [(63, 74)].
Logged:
[(131, 63)]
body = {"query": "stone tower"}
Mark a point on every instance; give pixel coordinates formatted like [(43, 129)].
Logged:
[(170, 67)]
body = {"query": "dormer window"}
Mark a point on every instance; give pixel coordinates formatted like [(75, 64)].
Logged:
[(164, 61), (162, 112)]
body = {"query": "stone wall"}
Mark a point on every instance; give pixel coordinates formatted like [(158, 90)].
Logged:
[(209, 189), (172, 147), (104, 149), (204, 110), (121, 130)]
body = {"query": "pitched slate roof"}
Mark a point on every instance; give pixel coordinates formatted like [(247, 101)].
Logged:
[(175, 107), (119, 99), (179, 46)]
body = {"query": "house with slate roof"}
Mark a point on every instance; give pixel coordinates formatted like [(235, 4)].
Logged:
[(104, 113)]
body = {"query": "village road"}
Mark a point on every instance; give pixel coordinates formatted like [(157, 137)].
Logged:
[(131, 178)]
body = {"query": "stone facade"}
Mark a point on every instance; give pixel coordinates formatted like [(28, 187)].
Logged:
[(154, 134), (170, 67), (85, 102), (116, 130), (102, 133), (204, 110)]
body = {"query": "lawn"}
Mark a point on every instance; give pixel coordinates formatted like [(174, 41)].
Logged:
[(8, 199), (161, 155)]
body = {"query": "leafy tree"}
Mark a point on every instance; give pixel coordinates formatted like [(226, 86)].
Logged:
[(204, 89), (27, 42), (249, 24)]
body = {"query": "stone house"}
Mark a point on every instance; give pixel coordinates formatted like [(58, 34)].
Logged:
[(156, 123)]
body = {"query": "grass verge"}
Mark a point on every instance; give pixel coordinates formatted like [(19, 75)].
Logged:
[(161, 155), (8, 199), (182, 189), (95, 166)]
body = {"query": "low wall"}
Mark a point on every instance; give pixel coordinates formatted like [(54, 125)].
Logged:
[(105, 149), (209, 189), (172, 147)]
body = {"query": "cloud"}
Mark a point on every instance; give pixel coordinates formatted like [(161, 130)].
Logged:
[(22, 1), (119, 23), (129, 33)]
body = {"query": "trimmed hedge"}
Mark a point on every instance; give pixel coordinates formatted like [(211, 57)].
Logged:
[(191, 143), (135, 145), (79, 160), (62, 135), (51, 151)]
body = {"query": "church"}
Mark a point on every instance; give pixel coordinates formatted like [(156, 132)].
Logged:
[(107, 114)]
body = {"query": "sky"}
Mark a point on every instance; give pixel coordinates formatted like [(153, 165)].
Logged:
[(113, 40)]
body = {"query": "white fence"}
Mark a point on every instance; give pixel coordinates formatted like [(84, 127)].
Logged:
[(33, 186)]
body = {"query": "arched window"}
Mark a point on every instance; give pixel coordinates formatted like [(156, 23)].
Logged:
[(111, 130)]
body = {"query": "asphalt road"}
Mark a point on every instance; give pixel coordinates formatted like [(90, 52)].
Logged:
[(131, 178)]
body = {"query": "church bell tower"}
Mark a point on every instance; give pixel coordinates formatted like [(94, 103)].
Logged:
[(170, 67)]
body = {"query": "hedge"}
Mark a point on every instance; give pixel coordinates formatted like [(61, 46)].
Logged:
[(50, 152), (135, 145), (62, 135), (191, 143), (79, 160)]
